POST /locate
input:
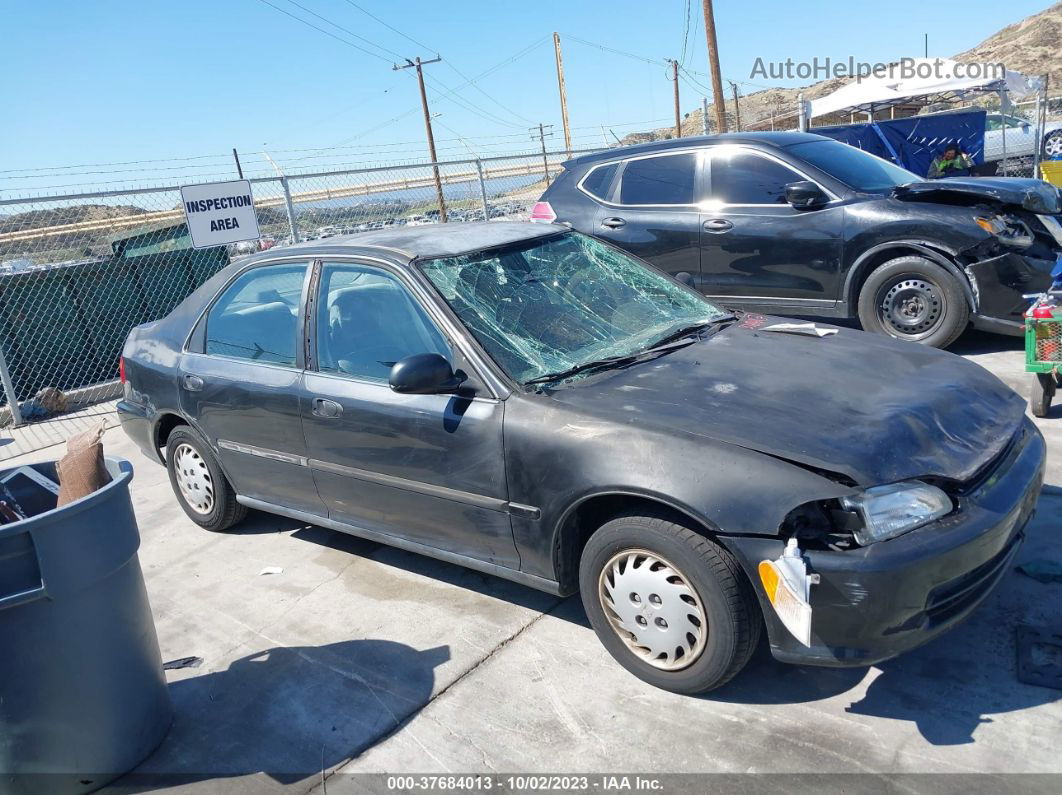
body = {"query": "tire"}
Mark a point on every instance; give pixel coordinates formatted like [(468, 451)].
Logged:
[(1041, 394), (913, 298), (199, 484), (1052, 145), (643, 554)]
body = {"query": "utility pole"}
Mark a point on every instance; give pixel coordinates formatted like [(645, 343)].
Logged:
[(704, 114), (563, 95), (713, 63), (678, 113), (737, 107), (417, 64), (236, 157), (543, 130)]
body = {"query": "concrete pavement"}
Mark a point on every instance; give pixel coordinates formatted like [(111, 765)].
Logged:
[(360, 658)]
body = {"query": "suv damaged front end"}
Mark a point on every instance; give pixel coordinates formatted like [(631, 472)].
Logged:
[(888, 568), (1022, 245)]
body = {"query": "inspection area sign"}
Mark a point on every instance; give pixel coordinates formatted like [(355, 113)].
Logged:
[(219, 213)]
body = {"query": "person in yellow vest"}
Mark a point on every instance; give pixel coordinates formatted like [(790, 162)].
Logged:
[(953, 162)]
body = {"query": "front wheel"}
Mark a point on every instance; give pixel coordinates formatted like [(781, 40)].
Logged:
[(915, 299), (668, 604)]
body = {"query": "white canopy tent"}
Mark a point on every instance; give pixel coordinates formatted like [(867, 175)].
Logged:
[(922, 81), (927, 85)]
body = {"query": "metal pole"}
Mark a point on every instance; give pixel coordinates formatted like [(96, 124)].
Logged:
[(236, 157), (483, 190), (291, 210), (1003, 128), (1038, 135), (9, 391), (802, 118), (678, 113), (713, 63), (704, 114), (563, 95)]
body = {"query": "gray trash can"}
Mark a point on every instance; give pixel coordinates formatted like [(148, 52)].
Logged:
[(83, 697)]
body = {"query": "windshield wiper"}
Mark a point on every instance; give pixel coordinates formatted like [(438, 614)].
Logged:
[(612, 362), (691, 330)]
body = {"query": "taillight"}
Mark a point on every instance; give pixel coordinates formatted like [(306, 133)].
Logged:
[(121, 369), (542, 213)]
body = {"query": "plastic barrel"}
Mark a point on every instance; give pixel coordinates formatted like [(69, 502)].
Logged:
[(83, 697)]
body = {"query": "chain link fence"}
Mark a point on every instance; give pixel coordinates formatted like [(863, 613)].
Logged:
[(78, 271)]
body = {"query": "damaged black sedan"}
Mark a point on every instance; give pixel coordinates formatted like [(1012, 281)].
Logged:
[(539, 405), (799, 224)]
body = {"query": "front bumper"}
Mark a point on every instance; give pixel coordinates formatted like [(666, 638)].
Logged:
[(1000, 283), (878, 601)]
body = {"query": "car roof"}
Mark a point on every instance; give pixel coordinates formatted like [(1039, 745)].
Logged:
[(778, 139), (404, 243)]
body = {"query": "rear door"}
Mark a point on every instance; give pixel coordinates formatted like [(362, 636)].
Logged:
[(758, 248), (425, 468), (651, 211), (240, 381)]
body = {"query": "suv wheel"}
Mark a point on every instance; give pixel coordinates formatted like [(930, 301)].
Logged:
[(669, 605), (1053, 144), (915, 299), (197, 480)]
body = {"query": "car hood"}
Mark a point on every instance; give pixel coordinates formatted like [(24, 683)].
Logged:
[(870, 408), (1033, 195)]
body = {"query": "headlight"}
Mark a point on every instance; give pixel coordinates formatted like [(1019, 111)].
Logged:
[(888, 511), (1009, 230)]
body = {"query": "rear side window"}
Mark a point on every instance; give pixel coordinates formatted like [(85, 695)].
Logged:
[(598, 181), (257, 317), (746, 178), (668, 179)]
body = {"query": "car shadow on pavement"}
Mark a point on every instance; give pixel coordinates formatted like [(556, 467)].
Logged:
[(975, 342), (289, 712)]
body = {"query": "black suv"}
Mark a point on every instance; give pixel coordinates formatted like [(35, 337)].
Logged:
[(795, 223)]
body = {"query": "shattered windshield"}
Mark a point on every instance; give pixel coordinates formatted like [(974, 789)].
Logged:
[(545, 306)]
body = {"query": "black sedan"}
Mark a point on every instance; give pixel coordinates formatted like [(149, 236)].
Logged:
[(530, 402), (800, 224)]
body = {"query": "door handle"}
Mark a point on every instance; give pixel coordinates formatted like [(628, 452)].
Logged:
[(328, 409), (717, 225), (613, 223), (192, 383)]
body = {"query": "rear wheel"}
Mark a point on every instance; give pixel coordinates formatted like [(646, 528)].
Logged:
[(915, 299), (669, 605), (201, 488), (1053, 144)]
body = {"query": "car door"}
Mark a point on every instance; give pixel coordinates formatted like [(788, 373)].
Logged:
[(240, 382), (425, 468), (756, 247), (652, 211)]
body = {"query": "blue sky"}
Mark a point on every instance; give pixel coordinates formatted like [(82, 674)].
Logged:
[(145, 80)]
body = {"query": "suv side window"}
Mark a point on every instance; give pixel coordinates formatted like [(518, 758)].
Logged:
[(599, 180), (667, 179), (367, 321), (257, 317), (749, 178)]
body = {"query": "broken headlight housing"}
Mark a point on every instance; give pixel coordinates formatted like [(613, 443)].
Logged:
[(1008, 230), (889, 511)]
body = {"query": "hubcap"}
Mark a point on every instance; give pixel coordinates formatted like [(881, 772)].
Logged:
[(1053, 145), (193, 479), (653, 609), (912, 307)]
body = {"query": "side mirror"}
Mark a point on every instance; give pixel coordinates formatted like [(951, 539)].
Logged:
[(423, 374), (805, 195)]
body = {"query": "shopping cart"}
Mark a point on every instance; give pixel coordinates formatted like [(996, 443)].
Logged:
[(1043, 348)]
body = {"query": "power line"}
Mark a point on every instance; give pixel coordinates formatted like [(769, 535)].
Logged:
[(345, 30), (322, 30), (685, 35)]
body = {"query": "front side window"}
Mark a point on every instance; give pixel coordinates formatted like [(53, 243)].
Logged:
[(541, 307), (748, 178), (367, 321), (668, 179), (257, 317)]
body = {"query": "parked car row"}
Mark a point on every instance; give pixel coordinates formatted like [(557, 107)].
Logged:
[(540, 404)]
